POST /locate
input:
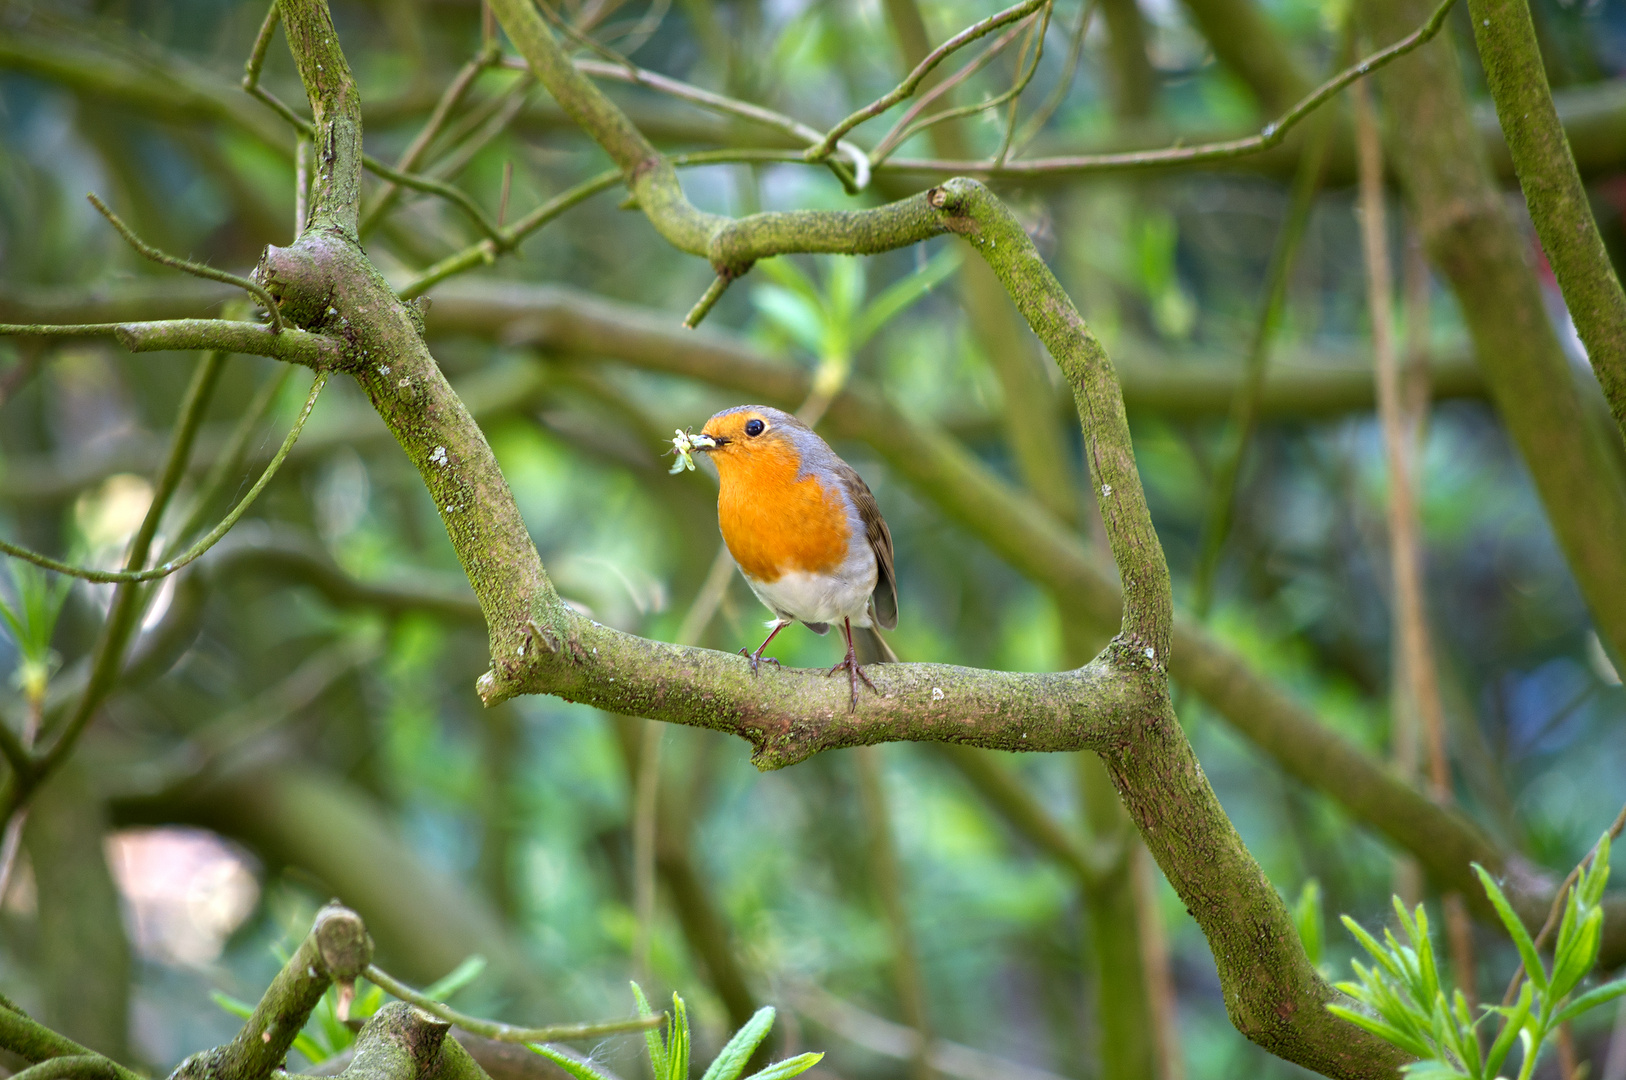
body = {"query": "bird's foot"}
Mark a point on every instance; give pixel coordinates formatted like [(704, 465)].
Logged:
[(855, 673), (756, 659)]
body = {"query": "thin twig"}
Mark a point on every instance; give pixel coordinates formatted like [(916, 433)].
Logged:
[(205, 543), (450, 98), (128, 598), (708, 300), (415, 181), (827, 145), (1557, 907), (1022, 80), (1245, 404), (1075, 52), (887, 877), (495, 1029), (187, 266), (745, 110), (1418, 671), (903, 129), (508, 107), (1273, 133), (262, 42), (645, 807)]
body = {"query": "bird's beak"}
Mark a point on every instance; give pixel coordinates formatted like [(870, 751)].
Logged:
[(716, 441)]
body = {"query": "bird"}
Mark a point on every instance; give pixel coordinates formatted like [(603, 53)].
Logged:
[(804, 529)]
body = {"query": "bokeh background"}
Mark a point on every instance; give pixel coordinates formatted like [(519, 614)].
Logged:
[(284, 744)]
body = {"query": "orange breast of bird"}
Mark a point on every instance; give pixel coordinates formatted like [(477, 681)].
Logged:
[(775, 523)]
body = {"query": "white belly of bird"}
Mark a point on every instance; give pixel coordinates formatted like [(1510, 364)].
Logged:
[(822, 598)]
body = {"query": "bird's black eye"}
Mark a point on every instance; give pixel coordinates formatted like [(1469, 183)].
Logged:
[(753, 427)]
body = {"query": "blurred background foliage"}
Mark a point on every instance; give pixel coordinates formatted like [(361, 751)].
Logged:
[(281, 745)]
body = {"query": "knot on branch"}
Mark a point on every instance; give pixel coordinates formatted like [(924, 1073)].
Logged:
[(399, 1042), (957, 201), (343, 942), (297, 281)]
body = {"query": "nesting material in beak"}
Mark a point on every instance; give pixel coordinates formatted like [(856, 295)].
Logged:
[(684, 444)]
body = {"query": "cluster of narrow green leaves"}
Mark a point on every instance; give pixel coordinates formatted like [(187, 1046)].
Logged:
[(327, 1034), (30, 616), (1411, 1008), (669, 1049), (834, 322)]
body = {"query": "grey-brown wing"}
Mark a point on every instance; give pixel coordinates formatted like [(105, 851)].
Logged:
[(879, 536)]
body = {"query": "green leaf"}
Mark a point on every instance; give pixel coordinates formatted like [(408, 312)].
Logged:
[(787, 275), (1581, 952), (1370, 944), (579, 1069), (677, 1047), (730, 1061), (1307, 917), (1513, 1022), (1465, 1041), (801, 319), (783, 1070), (1591, 1000), (1597, 876), (1388, 1032), (1515, 929), (902, 294), (652, 1038), (1433, 1070), (240, 1009), (844, 287), (314, 1052), (455, 980)]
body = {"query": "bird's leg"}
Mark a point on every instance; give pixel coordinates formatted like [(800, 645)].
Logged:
[(854, 672), (757, 658)]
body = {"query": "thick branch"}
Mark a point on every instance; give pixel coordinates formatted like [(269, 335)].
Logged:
[(336, 108), (337, 948), (1472, 240), (1552, 188), (1033, 542)]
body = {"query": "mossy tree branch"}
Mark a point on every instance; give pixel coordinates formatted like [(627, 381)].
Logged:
[(1273, 994), (1470, 237), (1552, 188)]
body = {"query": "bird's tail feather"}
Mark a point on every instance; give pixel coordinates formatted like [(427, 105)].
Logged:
[(871, 647)]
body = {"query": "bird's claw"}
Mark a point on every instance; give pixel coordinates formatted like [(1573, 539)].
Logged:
[(756, 659), (855, 673)]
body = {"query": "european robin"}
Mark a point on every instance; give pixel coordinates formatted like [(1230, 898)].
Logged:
[(803, 528)]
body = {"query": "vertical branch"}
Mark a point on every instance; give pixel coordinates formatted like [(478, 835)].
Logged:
[(1036, 438), (1422, 691), (1244, 418), (887, 875), (84, 956), (1459, 208), (645, 803), (1126, 1043), (1414, 399), (1154, 951), (1552, 188), (335, 196)]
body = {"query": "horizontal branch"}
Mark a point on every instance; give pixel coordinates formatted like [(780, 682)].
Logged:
[(789, 714), (1029, 538), (501, 1032), (187, 335)]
